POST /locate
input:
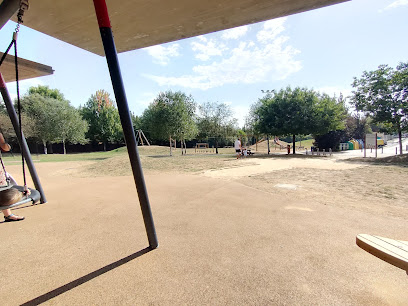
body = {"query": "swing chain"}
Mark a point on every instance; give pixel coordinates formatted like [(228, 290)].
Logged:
[(23, 7)]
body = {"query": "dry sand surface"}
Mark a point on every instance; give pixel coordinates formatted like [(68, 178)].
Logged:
[(260, 231)]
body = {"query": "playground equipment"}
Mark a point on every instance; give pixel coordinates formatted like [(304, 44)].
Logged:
[(34, 195), (316, 151), (72, 22), (140, 136), (282, 145), (371, 141), (203, 148), (353, 144), (343, 146)]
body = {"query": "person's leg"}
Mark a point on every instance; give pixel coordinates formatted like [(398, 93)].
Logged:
[(8, 197), (8, 216)]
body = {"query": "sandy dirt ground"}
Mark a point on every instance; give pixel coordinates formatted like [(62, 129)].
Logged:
[(270, 231)]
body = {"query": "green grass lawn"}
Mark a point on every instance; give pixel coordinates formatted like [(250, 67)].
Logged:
[(305, 143), (143, 151), (39, 158)]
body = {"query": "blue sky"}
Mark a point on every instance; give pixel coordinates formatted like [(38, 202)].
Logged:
[(321, 49)]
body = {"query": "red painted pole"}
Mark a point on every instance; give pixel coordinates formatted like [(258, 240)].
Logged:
[(102, 15)]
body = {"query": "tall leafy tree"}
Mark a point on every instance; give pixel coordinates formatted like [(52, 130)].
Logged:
[(171, 115), (54, 120), (103, 118), (383, 95), (298, 111), (8, 129), (250, 126), (70, 125), (46, 92), (40, 106), (42, 111), (215, 120)]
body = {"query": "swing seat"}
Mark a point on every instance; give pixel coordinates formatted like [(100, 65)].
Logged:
[(395, 252), (34, 197)]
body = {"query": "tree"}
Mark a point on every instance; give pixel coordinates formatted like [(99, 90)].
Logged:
[(383, 95), (39, 104), (70, 125), (41, 110), (171, 115), (357, 126), (297, 112), (215, 120), (103, 119), (6, 126), (46, 92), (136, 121), (250, 126), (54, 120)]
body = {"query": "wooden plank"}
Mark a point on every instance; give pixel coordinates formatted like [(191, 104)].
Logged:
[(395, 252)]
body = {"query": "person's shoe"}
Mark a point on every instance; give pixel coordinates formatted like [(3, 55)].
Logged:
[(12, 218)]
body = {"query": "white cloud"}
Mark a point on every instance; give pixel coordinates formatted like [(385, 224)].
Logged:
[(249, 62), (235, 32), (207, 48), (161, 55), (272, 28), (395, 4)]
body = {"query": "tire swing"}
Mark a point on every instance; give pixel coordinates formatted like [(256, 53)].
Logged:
[(33, 196)]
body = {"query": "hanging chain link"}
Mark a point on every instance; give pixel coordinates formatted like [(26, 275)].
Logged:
[(23, 7)]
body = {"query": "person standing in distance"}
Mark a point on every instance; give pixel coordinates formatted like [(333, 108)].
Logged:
[(237, 147)]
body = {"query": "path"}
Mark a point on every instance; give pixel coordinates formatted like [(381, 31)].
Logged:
[(220, 243)]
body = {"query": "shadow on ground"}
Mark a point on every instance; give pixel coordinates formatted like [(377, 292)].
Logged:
[(75, 283), (397, 160)]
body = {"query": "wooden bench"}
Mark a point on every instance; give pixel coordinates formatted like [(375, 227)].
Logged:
[(395, 252)]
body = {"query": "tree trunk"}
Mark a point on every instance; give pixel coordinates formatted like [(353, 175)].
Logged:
[(181, 146), (267, 137), (294, 146), (45, 147), (63, 145), (170, 144), (400, 139), (216, 146), (104, 146)]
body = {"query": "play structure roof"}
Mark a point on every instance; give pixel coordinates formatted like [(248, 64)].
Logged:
[(142, 23), (26, 69)]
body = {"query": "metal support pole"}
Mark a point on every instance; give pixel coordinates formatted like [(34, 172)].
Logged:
[(123, 108), (23, 143), (376, 145), (7, 10)]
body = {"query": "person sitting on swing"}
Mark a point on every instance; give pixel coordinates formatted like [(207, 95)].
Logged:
[(11, 195)]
